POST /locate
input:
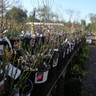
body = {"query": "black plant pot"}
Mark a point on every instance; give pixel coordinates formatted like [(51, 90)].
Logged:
[(54, 61), (28, 89), (62, 55), (39, 78), (67, 51), (27, 84), (3, 43), (54, 66), (28, 42), (77, 43), (40, 40)]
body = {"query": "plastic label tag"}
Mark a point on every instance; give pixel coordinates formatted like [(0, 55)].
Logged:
[(55, 62), (15, 52), (56, 50), (13, 71), (67, 50), (64, 54), (1, 47), (41, 77)]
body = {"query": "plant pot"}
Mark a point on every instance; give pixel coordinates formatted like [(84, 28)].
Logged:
[(39, 78), (40, 40), (13, 42), (72, 47), (4, 43), (28, 89), (62, 55), (28, 41), (1, 84), (54, 66), (77, 41), (80, 40), (67, 52), (54, 61), (13, 75), (17, 93), (55, 58)]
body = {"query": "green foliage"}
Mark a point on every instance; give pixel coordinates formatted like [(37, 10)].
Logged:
[(31, 19), (8, 89), (45, 13), (16, 14), (85, 52), (80, 62), (77, 72), (74, 87), (90, 26), (83, 22)]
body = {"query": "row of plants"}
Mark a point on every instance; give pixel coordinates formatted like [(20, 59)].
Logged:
[(77, 72), (27, 61)]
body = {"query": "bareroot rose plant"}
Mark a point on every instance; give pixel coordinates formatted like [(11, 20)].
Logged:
[(10, 84), (40, 55), (41, 52)]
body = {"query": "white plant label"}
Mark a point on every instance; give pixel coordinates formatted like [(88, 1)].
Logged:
[(64, 54), (13, 72), (17, 94), (72, 47), (33, 42), (1, 47), (41, 77), (55, 62), (56, 50), (1, 83), (67, 50)]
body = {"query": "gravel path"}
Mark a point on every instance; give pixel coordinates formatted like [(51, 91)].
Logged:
[(90, 82)]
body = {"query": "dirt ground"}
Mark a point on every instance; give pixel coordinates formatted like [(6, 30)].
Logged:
[(89, 88)]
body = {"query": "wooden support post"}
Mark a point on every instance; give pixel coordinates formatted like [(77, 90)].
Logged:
[(32, 28)]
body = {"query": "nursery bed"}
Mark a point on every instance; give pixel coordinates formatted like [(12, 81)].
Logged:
[(51, 83)]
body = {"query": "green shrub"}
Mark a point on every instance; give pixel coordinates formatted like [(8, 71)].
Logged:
[(74, 87)]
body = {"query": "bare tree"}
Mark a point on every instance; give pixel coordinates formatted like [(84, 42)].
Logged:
[(70, 13), (77, 16), (4, 5)]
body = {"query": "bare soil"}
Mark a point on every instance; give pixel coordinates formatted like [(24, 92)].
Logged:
[(89, 88)]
